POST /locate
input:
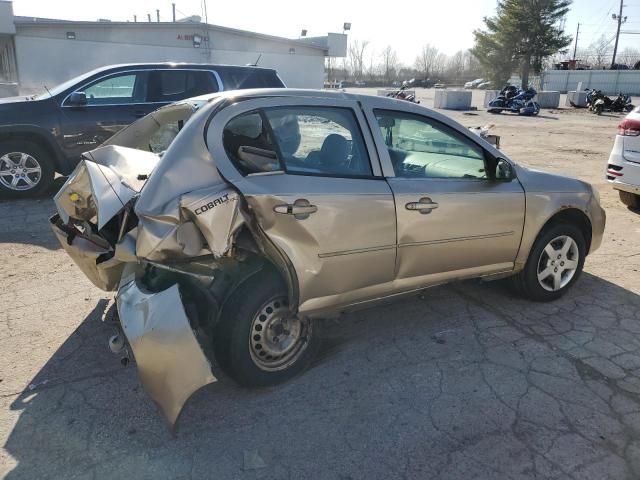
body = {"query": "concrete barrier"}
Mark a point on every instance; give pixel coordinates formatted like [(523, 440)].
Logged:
[(8, 90), (579, 99), (490, 95), (548, 99), (452, 99)]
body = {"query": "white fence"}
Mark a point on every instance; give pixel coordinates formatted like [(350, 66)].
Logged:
[(610, 82)]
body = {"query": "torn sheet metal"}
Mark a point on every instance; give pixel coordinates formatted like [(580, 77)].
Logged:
[(103, 183), (216, 212), (86, 253), (185, 167), (171, 363)]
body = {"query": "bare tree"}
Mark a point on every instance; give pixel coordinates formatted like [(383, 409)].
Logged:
[(440, 64), (456, 64), (390, 63), (599, 52), (426, 59), (628, 56), (356, 58)]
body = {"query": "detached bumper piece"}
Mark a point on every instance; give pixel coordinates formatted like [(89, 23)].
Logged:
[(91, 253), (171, 363)]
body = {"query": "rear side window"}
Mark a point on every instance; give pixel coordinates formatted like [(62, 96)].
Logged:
[(322, 141), (173, 85), (243, 78), (319, 141)]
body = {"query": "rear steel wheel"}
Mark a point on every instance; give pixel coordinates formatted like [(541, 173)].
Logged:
[(277, 339), (258, 341)]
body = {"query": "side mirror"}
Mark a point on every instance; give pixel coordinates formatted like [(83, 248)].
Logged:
[(78, 99), (504, 171)]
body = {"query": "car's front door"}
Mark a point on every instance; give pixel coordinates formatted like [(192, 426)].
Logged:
[(455, 219), (112, 103), (312, 178)]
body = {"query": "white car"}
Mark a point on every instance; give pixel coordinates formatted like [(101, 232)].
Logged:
[(623, 169), (474, 83)]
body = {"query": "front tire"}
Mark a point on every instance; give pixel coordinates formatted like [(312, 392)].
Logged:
[(555, 263), (256, 342), (25, 169), (631, 200)]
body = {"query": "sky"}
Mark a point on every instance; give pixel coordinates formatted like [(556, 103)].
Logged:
[(448, 25)]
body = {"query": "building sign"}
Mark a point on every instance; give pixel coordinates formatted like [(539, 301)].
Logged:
[(191, 37)]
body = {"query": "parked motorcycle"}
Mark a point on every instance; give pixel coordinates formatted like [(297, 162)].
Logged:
[(598, 102), (403, 94), (517, 101)]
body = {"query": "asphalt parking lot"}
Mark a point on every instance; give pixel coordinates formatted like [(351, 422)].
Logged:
[(463, 382)]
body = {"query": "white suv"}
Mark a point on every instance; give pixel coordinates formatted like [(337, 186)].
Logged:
[(623, 169)]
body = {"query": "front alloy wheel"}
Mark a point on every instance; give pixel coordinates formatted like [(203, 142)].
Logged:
[(26, 169), (19, 171), (554, 263), (558, 263)]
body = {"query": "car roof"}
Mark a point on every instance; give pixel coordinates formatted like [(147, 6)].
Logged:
[(287, 92), (177, 65)]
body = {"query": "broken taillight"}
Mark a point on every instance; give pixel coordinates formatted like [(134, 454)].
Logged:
[(629, 128)]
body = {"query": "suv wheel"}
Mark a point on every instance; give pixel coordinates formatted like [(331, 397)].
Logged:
[(554, 264), (257, 342), (630, 199), (25, 169)]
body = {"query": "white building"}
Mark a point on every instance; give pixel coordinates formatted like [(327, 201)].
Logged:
[(38, 51)]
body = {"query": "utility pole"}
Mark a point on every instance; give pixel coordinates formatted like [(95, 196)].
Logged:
[(149, 17), (620, 20), (575, 48), (173, 7), (158, 14)]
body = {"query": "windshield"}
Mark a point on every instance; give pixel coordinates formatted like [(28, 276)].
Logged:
[(68, 84)]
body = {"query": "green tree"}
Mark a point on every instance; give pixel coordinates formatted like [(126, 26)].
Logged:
[(521, 34)]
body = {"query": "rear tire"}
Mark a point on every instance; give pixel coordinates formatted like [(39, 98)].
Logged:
[(631, 200), (26, 169), (255, 342), (550, 271)]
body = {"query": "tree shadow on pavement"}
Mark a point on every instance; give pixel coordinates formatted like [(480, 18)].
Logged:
[(383, 389)]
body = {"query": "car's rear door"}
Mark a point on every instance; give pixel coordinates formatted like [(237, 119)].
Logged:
[(454, 220), (312, 178), (114, 101)]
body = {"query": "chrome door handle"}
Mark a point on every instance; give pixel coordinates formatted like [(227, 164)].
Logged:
[(424, 205), (300, 209)]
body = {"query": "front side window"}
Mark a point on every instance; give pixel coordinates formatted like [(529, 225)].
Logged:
[(117, 89), (423, 148)]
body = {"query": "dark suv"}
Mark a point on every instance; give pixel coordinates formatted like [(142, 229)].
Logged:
[(44, 134)]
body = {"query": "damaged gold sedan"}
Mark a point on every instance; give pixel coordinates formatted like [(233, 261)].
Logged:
[(230, 224)]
